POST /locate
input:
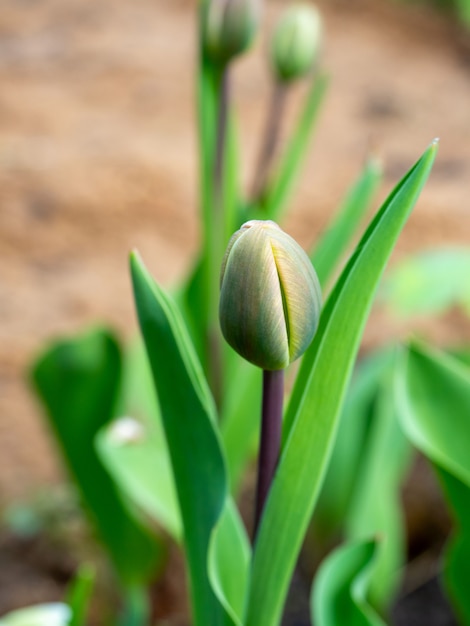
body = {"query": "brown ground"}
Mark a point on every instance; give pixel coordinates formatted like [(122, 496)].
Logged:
[(97, 155)]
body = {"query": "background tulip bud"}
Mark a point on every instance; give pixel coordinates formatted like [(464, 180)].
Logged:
[(270, 296), (230, 26), (296, 42)]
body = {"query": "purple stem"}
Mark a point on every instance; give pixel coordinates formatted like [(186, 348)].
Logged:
[(221, 138), (271, 429), (270, 140)]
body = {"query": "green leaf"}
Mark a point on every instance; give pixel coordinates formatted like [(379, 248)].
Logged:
[(136, 608), (78, 381), (79, 595), (334, 241), (457, 552), (433, 391), (376, 506), (462, 354), (340, 481), (280, 188), (463, 11), (192, 300), (229, 562), (188, 416), (134, 454), (430, 283), (432, 387), (339, 594), (134, 449), (41, 615), (312, 416), (241, 418)]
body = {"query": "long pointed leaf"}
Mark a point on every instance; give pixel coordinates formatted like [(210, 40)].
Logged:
[(316, 402), (188, 417)]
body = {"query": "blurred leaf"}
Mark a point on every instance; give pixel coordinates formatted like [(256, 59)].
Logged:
[(339, 484), (430, 283), (136, 608), (462, 354), (339, 233), (433, 391), (339, 594), (285, 175), (463, 11), (133, 453), (229, 562), (188, 416), (192, 300), (41, 615), (457, 553), (78, 381), (241, 418), (134, 449), (312, 416), (79, 595), (376, 505)]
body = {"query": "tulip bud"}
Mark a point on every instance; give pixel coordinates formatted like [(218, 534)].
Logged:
[(270, 296), (230, 26), (296, 42)]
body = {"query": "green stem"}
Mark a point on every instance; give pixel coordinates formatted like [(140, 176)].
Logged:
[(271, 430), (217, 241)]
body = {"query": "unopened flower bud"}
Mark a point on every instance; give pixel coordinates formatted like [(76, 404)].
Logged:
[(296, 42), (230, 26), (270, 297)]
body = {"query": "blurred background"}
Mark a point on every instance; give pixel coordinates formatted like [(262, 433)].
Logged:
[(98, 156)]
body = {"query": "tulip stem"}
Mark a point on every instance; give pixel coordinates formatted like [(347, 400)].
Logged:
[(270, 140), (271, 429)]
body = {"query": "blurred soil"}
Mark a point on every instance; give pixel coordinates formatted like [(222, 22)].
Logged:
[(98, 155)]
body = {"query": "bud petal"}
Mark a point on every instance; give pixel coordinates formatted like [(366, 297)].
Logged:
[(296, 42), (270, 296), (230, 26)]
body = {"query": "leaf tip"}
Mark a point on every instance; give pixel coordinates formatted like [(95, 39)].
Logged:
[(134, 258), (137, 267), (433, 146)]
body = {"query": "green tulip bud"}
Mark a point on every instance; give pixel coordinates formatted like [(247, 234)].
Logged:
[(270, 297), (296, 42), (230, 26)]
